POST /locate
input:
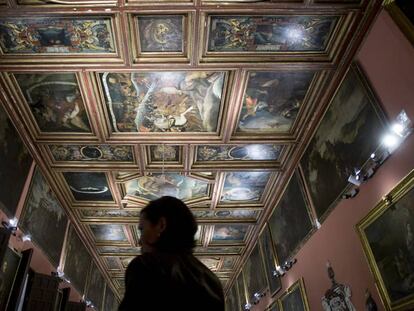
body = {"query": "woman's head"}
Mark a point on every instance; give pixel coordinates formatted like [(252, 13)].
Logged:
[(167, 224)]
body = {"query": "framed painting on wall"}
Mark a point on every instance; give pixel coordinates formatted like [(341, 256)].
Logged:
[(8, 270), (44, 218), (291, 221), (77, 261), (15, 162), (402, 11), (348, 134), (96, 287), (269, 258), (295, 298), (232, 301), (387, 235), (255, 274)]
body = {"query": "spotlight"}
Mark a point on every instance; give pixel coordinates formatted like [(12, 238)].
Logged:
[(391, 141), (26, 238), (318, 224), (355, 178), (402, 125), (247, 306), (351, 194), (11, 225)]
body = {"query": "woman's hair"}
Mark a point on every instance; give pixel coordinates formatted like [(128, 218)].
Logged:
[(181, 225)]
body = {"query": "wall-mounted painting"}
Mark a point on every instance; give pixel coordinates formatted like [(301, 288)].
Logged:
[(96, 287), (269, 259), (174, 101), (402, 11), (244, 186), (57, 35), (269, 33), (274, 306), (226, 215), (55, 101), (229, 233), (111, 303), (241, 287), (290, 222), (8, 271), (15, 162), (107, 233), (253, 152), (387, 235), (232, 301), (349, 132), (272, 100), (161, 33), (43, 218), (255, 274), (295, 298), (88, 186), (92, 153), (77, 261), (168, 184)]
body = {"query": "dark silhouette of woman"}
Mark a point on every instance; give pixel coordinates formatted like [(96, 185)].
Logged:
[(167, 276)]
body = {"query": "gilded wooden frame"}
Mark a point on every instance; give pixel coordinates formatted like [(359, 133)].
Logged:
[(406, 26), (387, 202), (71, 58), (139, 56), (112, 136), (298, 284), (27, 116), (342, 27)]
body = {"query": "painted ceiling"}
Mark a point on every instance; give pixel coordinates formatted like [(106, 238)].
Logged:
[(121, 102)]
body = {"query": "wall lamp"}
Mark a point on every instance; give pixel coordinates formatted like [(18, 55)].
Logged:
[(281, 270), (11, 226), (399, 130)]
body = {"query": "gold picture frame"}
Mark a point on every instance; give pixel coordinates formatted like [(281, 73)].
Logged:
[(391, 213), (400, 18), (298, 285)]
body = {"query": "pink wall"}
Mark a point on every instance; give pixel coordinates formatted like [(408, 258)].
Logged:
[(388, 60)]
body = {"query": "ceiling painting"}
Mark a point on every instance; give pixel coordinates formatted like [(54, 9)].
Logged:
[(244, 186), (272, 100), (253, 152), (92, 153), (105, 233), (138, 99), (174, 101), (55, 101), (88, 186), (211, 262), (170, 184), (161, 33), (61, 35), (270, 33), (234, 234), (112, 263)]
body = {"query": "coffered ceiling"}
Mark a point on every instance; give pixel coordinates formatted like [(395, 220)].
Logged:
[(121, 102)]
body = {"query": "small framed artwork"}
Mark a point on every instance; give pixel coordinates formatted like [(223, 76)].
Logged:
[(48, 39), (387, 238), (402, 11), (161, 37), (295, 298)]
